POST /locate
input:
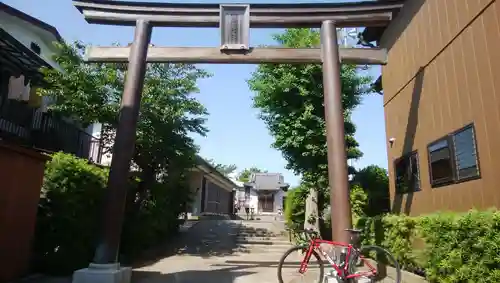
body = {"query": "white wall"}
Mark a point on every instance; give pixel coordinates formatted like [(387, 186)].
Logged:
[(26, 33), (106, 156), (254, 200), (278, 200)]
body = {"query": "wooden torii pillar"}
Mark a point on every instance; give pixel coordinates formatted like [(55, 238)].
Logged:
[(234, 22)]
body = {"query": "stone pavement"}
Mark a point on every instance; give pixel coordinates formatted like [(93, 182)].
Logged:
[(217, 251), (243, 268), (210, 253), (207, 252)]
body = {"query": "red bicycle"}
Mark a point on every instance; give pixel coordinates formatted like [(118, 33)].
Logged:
[(352, 264)]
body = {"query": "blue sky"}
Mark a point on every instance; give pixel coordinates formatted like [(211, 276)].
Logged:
[(236, 135)]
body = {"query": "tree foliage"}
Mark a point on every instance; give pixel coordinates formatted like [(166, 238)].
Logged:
[(244, 176), (225, 170), (295, 207), (290, 100), (91, 93), (159, 189), (375, 182)]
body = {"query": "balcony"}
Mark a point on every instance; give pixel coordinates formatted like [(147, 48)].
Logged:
[(27, 126)]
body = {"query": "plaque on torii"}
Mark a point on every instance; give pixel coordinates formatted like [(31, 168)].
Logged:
[(234, 22), (234, 27)]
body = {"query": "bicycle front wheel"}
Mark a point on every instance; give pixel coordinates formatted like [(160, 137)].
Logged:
[(289, 267), (377, 264)]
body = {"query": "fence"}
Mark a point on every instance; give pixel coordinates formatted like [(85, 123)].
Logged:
[(33, 128)]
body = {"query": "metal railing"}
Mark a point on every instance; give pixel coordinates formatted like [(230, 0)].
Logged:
[(31, 127)]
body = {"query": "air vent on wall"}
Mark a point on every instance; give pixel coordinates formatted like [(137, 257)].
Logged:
[(35, 48)]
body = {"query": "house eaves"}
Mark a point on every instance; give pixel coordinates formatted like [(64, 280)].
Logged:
[(207, 168), (20, 32), (31, 20)]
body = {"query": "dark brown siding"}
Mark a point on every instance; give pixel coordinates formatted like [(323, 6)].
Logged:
[(21, 175), (217, 199), (444, 73)]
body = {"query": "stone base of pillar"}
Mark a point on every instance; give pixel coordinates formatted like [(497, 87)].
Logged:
[(103, 273), (329, 279)]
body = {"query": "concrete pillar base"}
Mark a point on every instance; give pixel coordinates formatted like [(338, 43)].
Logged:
[(103, 273), (329, 279)]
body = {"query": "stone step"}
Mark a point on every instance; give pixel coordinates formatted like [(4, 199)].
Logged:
[(263, 243), (255, 229), (279, 250), (260, 231), (268, 235), (256, 238)]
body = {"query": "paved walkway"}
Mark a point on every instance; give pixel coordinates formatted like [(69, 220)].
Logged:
[(208, 253)]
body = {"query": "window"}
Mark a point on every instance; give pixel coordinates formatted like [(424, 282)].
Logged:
[(407, 174), (453, 158), (441, 163), (464, 143)]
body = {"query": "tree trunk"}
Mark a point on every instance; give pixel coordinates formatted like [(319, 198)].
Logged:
[(312, 213)]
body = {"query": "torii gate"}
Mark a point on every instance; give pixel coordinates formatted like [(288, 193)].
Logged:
[(234, 21)]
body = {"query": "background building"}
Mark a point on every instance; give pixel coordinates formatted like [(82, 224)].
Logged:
[(264, 192)]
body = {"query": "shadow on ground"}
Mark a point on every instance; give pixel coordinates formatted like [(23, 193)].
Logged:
[(227, 272), (207, 238), (225, 275)]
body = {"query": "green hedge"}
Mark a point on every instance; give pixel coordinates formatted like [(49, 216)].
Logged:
[(69, 213), (449, 247)]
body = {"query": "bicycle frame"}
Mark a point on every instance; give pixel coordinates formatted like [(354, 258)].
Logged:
[(342, 271)]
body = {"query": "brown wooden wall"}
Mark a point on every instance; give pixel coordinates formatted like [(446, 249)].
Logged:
[(215, 199), (21, 176), (443, 73)]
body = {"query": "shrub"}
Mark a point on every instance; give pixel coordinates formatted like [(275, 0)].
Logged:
[(155, 221), (69, 211), (296, 202), (462, 248), (395, 233), (68, 214), (450, 247), (359, 201), (375, 182), (295, 208)]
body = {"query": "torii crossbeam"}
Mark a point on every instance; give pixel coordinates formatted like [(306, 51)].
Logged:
[(234, 22)]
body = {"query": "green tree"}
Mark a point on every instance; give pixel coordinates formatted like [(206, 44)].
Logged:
[(226, 170), (91, 93), (290, 100), (375, 182), (244, 176)]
